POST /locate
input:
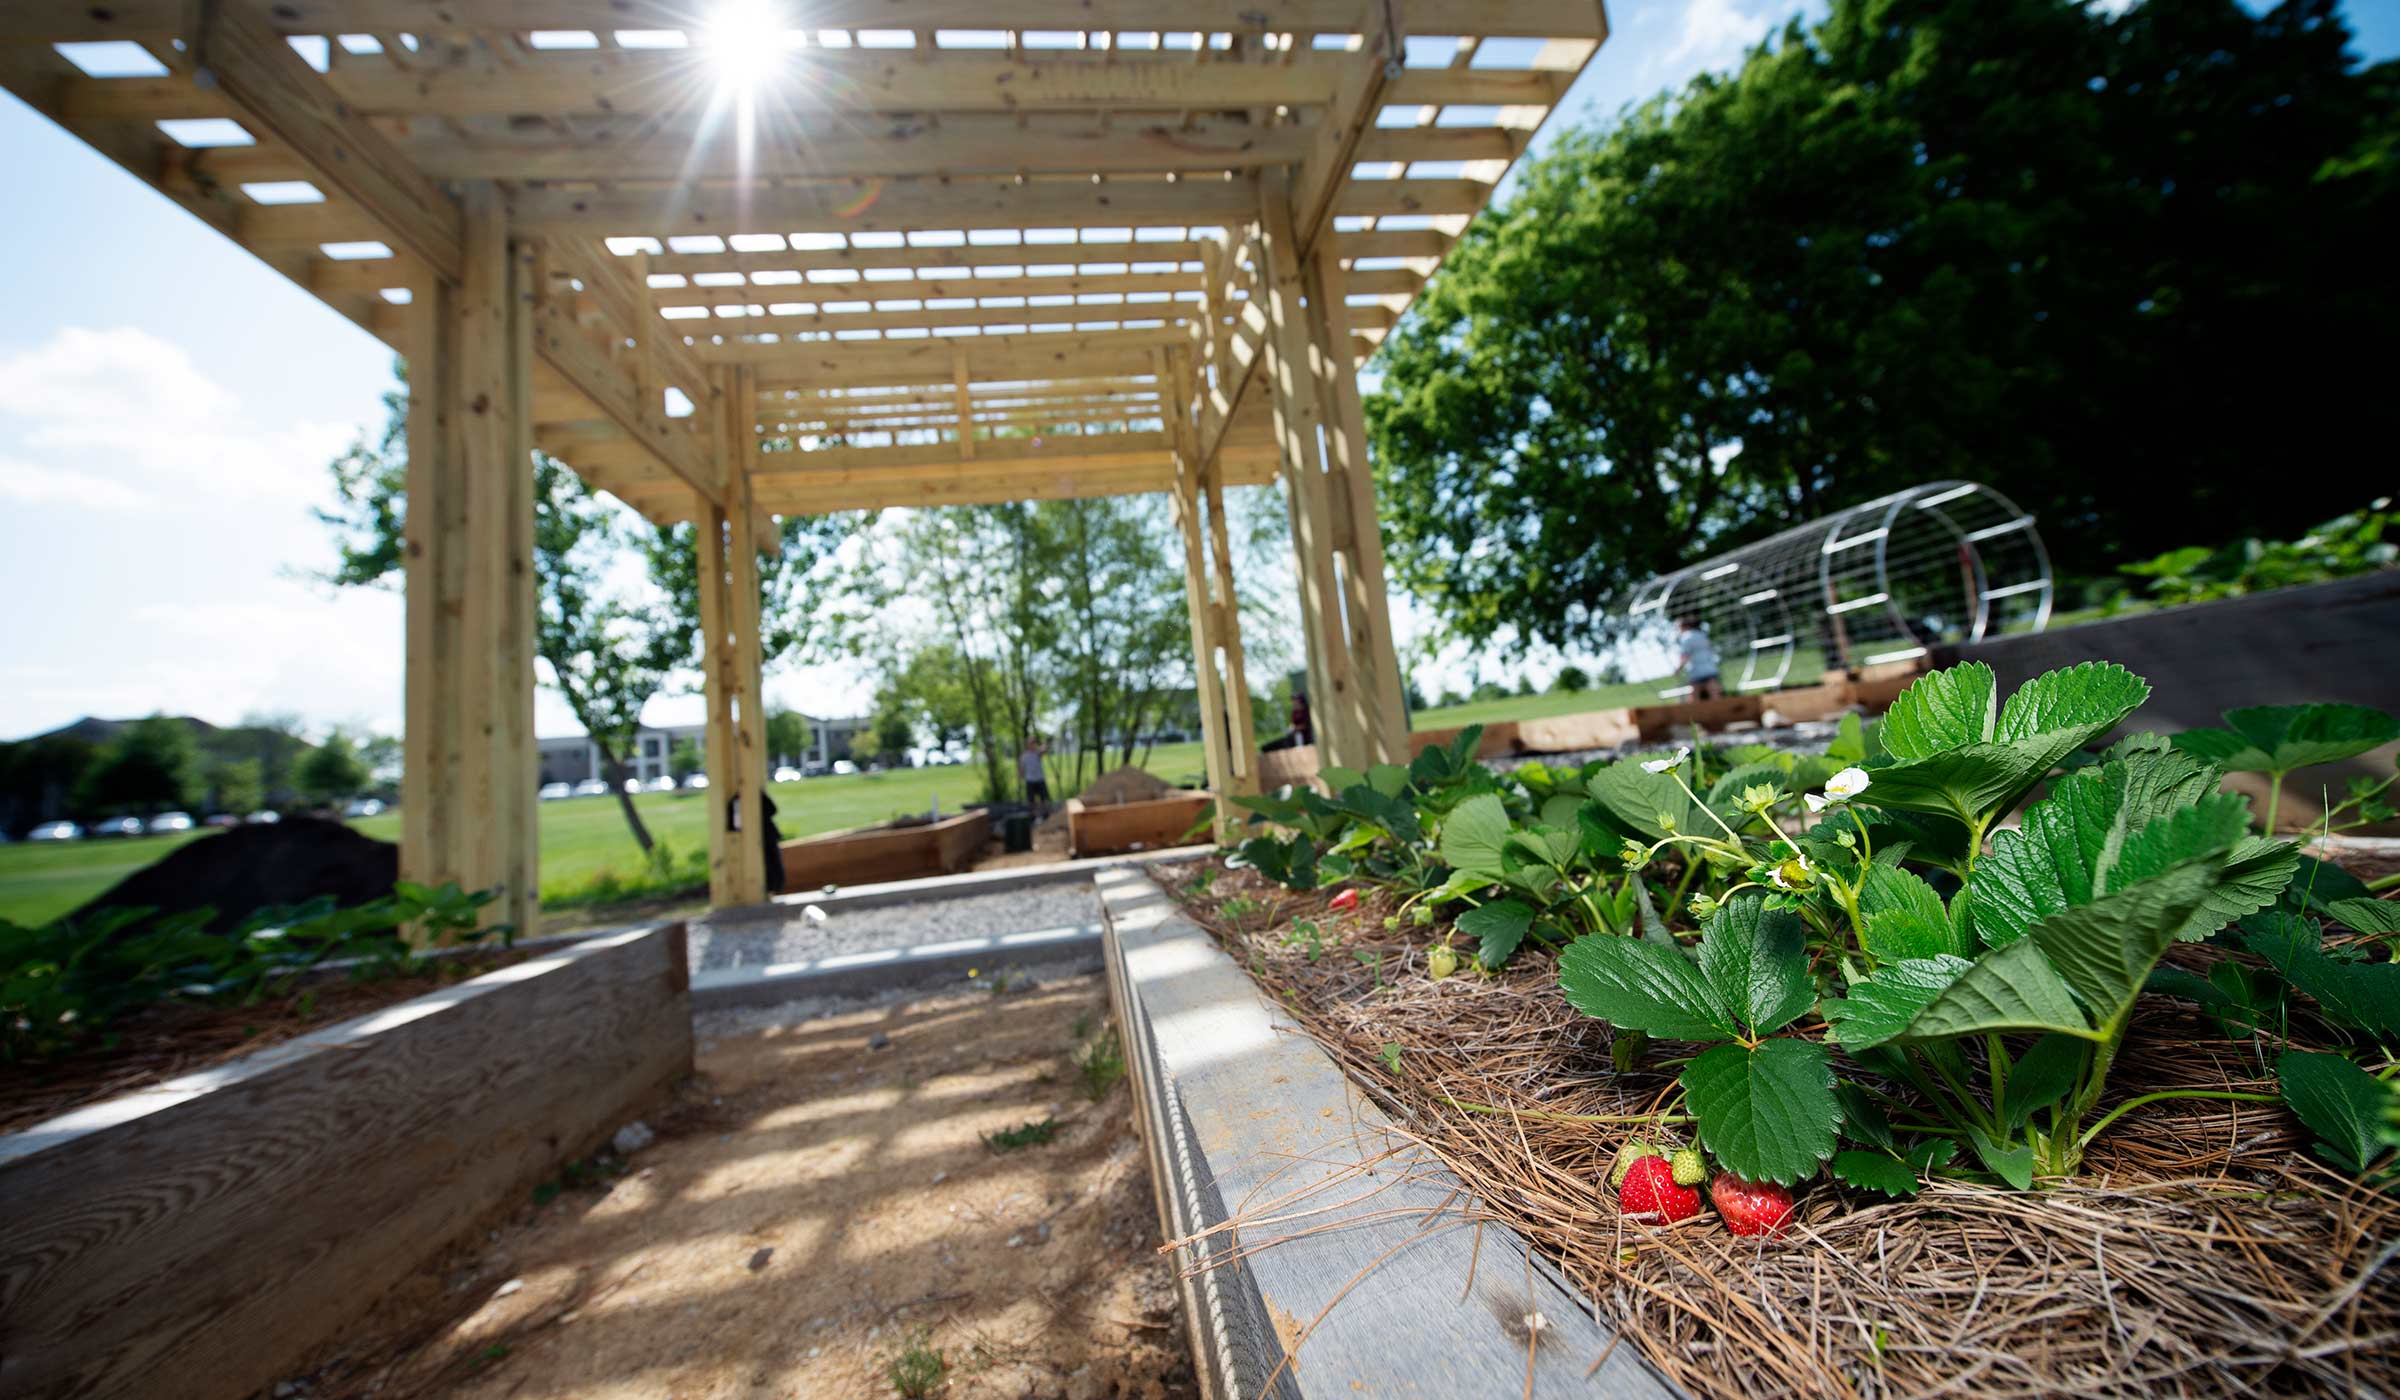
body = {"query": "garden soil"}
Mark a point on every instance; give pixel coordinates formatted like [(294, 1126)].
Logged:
[(818, 1200)]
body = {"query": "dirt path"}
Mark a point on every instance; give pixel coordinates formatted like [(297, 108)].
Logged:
[(818, 1203)]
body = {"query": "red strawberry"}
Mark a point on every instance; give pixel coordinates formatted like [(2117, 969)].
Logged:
[(1346, 900), (1750, 1207), (1650, 1193)]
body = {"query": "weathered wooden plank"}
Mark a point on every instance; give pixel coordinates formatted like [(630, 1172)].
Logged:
[(885, 207), (1405, 1297), (202, 1239), (1158, 824)]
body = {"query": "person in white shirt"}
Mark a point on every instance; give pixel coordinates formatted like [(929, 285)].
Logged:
[(1037, 782), (1699, 658)]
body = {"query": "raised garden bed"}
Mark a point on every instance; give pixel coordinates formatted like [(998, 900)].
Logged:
[(1155, 824), (887, 852), (199, 1237), (2207, 1254), (1961, 1057)]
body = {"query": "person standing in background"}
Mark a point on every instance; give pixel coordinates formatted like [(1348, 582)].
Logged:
[(1699, 658), (1302, 731), (1037, 782)]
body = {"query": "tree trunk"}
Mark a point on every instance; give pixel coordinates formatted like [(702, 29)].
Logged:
[(615, 768)]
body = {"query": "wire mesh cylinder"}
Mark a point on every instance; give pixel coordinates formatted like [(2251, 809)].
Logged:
[(1882, 582)]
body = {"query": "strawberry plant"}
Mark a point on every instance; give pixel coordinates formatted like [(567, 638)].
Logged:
[(1890, 978)]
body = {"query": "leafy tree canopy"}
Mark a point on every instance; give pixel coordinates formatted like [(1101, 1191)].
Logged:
[(2026, 242)]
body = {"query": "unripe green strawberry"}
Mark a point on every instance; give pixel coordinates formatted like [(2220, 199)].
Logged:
[(1690, 1167), (1441, 962), (1423, 915), (1627, 1155)]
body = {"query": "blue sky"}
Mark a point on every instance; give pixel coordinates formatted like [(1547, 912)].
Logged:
[(167, 404)]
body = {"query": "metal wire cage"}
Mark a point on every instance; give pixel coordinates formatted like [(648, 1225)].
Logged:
[(1945, 562)]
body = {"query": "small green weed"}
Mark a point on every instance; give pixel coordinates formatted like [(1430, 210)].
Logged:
[(916, 1371), (1022, 1135), (1101, 1062)]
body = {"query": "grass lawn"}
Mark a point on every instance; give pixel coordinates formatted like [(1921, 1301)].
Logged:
[(584, 839)]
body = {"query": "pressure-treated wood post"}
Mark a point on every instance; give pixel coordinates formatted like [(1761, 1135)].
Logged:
[(470, 765), (1334, 701), (1358, 535), (729, 654), (1227, 741)]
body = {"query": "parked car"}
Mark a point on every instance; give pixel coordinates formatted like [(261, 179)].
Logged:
[(661, 783), (843, 767), (695, 782), (166, 822), (787, 774), (364, 807), (116, 826), (812, 769), (223, 819), (55, 831), (592, 787), (264, 817), (552, 792)]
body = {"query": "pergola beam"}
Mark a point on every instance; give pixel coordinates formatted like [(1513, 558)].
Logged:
[(162, 19), (874, 206)]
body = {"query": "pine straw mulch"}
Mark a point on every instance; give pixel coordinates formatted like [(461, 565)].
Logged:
[(2203, 1250)]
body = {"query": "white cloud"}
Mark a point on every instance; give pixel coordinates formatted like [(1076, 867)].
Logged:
[(1714, 34), (124, 401), (31, 483)]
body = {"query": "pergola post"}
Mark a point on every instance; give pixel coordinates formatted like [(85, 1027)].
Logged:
[(470, 766), (1358, 531), (1227, 739), (1347, 733), (729, 653)]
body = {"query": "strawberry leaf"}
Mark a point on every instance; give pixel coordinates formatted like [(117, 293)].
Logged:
[(1474, 835), (1881, 1006), (2280, 738), (1500, 926), (2341, 1103), (2365, 995), (1942, 710), (2013, 1165), (2008, 989), (1755, 959), (1905, 918), (2043, 1075), (2369, 915), (1641, 986), (1874, 1171), (1767, 1112), (2050, 717)]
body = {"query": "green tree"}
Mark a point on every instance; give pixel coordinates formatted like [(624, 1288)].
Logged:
[(607, 649), (238, 785), (683, 759), (788, 735), (150, 765), (2020, 241), (1574, 680), (332, 771)]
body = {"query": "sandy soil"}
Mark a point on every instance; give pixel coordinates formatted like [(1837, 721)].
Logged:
[(820, 1200)]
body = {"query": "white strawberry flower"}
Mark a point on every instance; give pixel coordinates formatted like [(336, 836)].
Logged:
[(1792, 874), (1848, 783), (1667, 765), (1816, 802)]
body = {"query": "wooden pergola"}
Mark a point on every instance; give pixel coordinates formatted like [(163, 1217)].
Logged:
[(731, 259)]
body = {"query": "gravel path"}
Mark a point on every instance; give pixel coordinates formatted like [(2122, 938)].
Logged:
[(797, 938)]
